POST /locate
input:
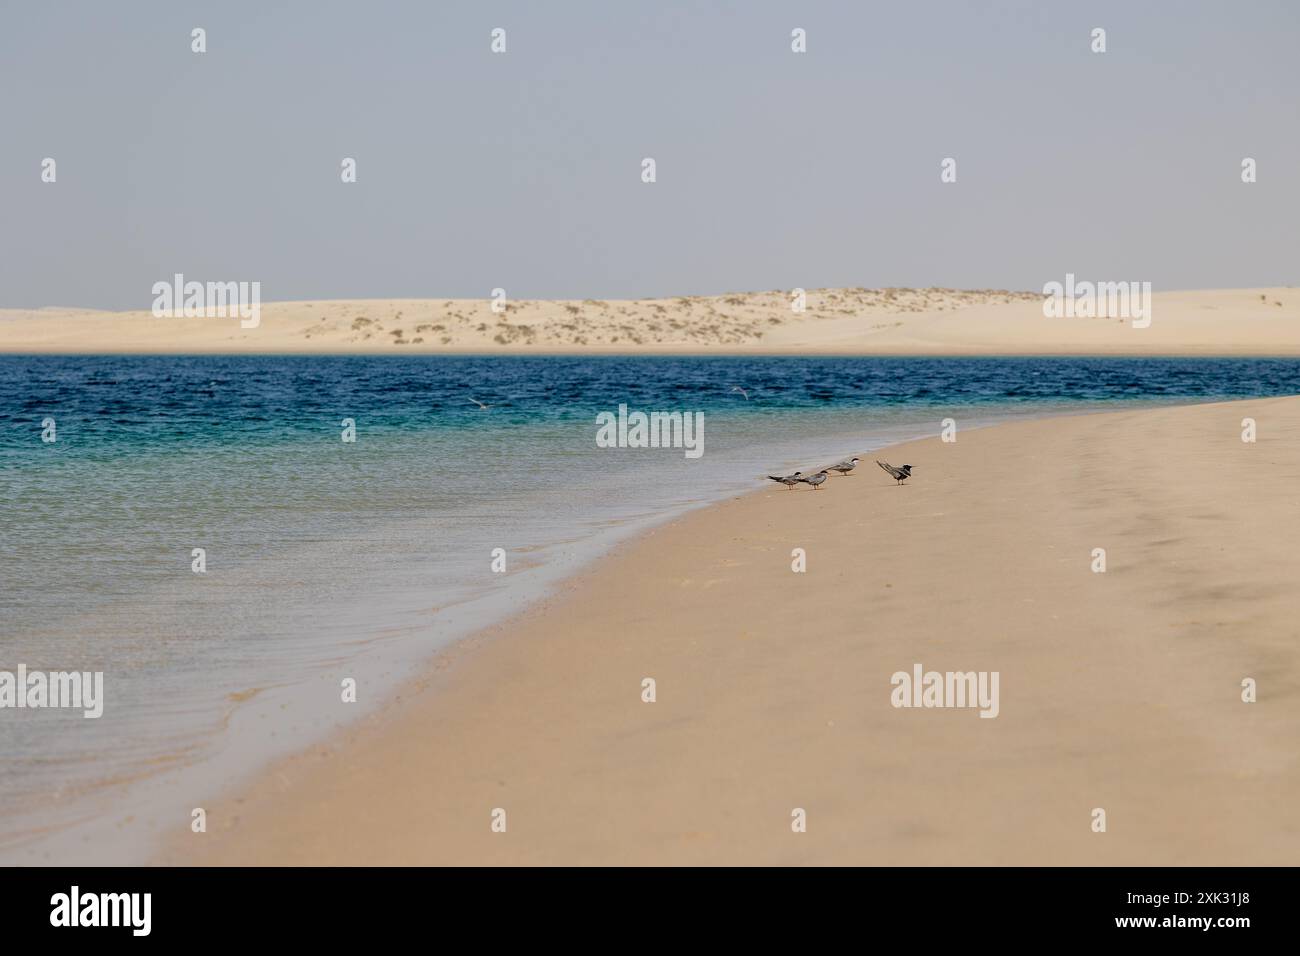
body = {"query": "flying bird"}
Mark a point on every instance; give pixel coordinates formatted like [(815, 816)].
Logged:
[(737, 388), (789, 480), (899, 474), (847, 466), (481, 406), (816, 479)]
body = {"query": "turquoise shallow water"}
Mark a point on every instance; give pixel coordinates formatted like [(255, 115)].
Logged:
[(328, 559)]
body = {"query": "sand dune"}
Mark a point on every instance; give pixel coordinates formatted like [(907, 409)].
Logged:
[(848, 321), (1119, 690)]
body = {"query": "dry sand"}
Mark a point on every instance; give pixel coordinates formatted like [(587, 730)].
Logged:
[(837, 321), (1119, 690)]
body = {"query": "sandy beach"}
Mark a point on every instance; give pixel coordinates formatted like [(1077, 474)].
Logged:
[(834, 321), (1119, 690)]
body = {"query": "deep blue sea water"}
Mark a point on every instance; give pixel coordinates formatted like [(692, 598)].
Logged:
[(328, 558), (106, 401)]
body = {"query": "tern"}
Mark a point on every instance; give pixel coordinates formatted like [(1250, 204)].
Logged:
[(899, 474), (481, 406), (789, 480), (816, 479), (737, 388), (847, 466)]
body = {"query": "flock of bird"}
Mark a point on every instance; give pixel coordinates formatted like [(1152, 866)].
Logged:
[(899, 475)]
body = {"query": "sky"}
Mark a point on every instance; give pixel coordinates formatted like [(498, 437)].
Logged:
[(523, 170)]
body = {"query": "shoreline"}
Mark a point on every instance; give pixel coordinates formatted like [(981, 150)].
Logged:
[(404, 645), (1102, 352), (515, 713), (404, 650)]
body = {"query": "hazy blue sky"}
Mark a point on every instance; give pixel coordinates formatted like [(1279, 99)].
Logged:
[(522, 170)]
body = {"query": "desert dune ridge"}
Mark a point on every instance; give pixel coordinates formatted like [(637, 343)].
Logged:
[(834, 321)]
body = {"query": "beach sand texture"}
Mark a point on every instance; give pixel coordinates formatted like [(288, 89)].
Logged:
[(1118, 690), (849, 321)]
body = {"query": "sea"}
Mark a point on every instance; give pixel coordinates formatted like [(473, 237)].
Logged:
[(230, 540)]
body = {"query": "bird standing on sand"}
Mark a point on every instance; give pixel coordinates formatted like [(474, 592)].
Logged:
[(899, 474), (816, 479), (845, 467), (789, 480)]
